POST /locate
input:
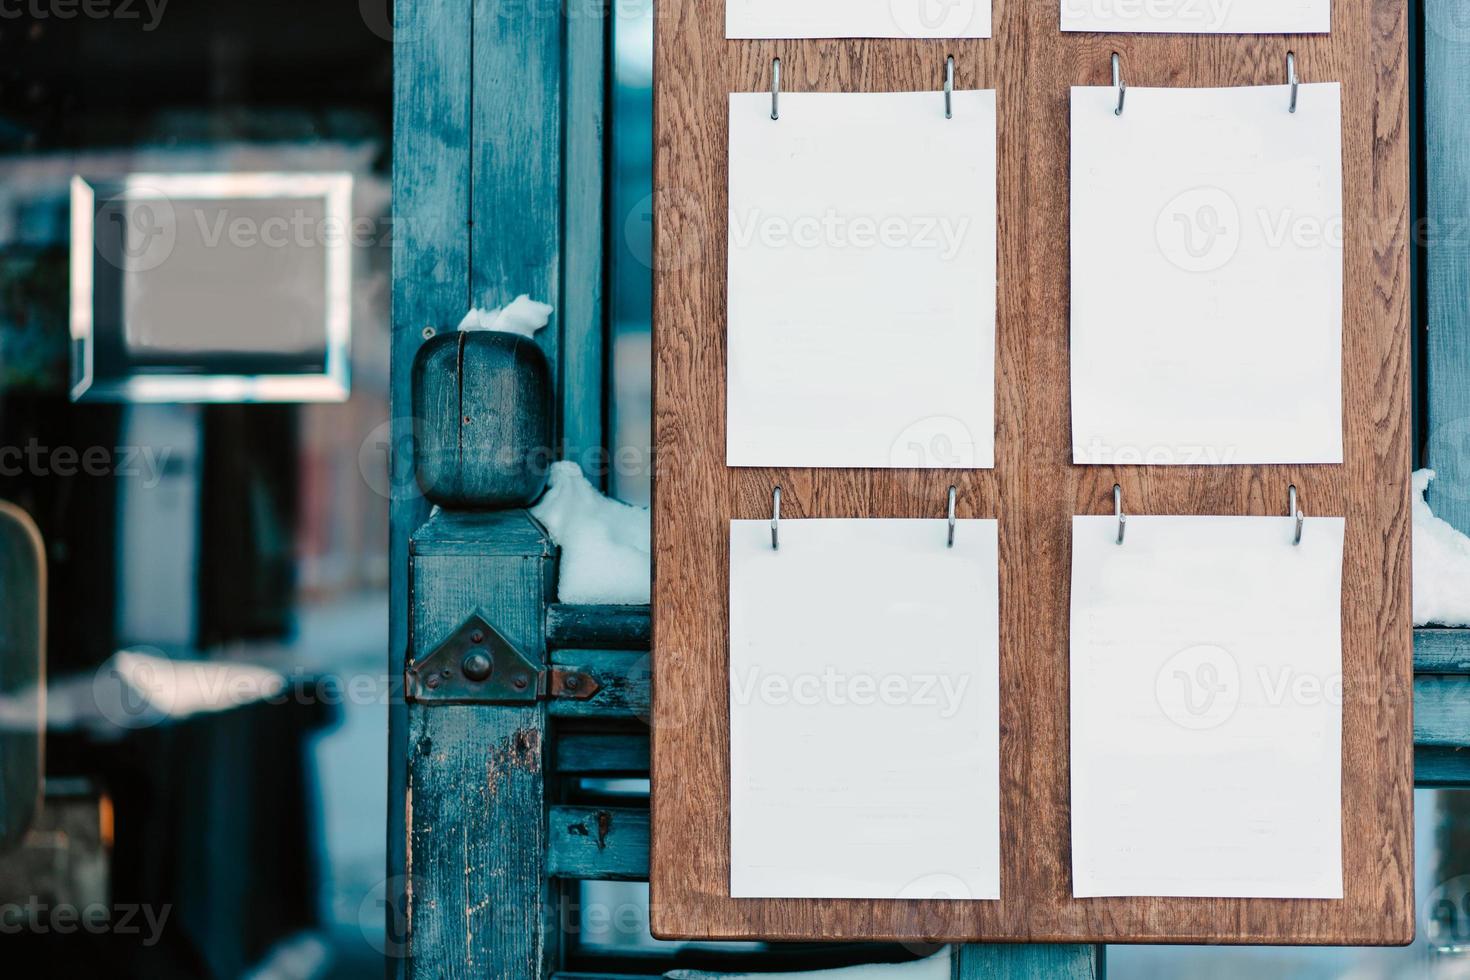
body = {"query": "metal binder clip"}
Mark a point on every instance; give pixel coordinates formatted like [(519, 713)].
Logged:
[(1299, 514), (1118, 82), (776, 519), (949, 87), (1291, 78), (776, 88), (1118, 509), (953, 498)]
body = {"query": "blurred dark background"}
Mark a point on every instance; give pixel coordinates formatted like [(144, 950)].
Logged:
[(218, 573)]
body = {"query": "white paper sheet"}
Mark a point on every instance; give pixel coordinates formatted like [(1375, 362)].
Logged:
[(857, 18), (864, 710), (862, 281), (1198, 16), (1207, 276), (1207, 708)]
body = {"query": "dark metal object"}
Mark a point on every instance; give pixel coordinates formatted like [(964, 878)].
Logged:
[(478, 665), (482, 419)]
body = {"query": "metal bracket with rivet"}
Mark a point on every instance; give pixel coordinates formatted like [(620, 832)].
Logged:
[(477, 664)]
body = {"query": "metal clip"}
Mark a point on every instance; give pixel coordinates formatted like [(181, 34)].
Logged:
[(1299, 514), (1118, 510), (1118, 82), (1291, 78), (776, 88), (949, 87), (776, 519), (953, 499)]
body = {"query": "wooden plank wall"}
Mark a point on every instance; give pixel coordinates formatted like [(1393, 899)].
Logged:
[(1034, 490)]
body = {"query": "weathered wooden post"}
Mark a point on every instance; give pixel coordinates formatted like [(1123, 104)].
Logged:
[(494, 195)]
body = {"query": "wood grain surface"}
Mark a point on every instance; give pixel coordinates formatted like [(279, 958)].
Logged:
[(1034, 489)]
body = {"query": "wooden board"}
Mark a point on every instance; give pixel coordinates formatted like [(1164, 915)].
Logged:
[(1034, 490)]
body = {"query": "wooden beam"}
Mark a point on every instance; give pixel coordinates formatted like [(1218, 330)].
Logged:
[(601, 755), (599, 627), (623, 678)]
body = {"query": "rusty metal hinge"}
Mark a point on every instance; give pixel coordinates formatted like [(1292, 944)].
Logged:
[(478, 665)]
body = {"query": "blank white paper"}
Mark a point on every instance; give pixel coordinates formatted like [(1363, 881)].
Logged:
[(864, 710), (1207, 283), (1207, 708), (857, 18), (862, 272), (1198, 16)]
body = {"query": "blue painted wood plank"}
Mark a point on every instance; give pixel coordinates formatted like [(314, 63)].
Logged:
[(624, 679), (431, 185), (1442, 651), (583, 327), (600, 754), (1447, 198), (516, 153), (598, 843)]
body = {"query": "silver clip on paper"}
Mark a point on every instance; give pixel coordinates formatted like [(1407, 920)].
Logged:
[(953, 499), (776, 88), (1118, 82), (949, 87), (776, 519), (1292, 79), (1298, 514), (1118, 510)]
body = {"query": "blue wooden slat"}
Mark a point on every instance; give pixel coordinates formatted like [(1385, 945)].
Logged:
[(583, 330), (516, 149), (1447, 198), (598, 843)]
